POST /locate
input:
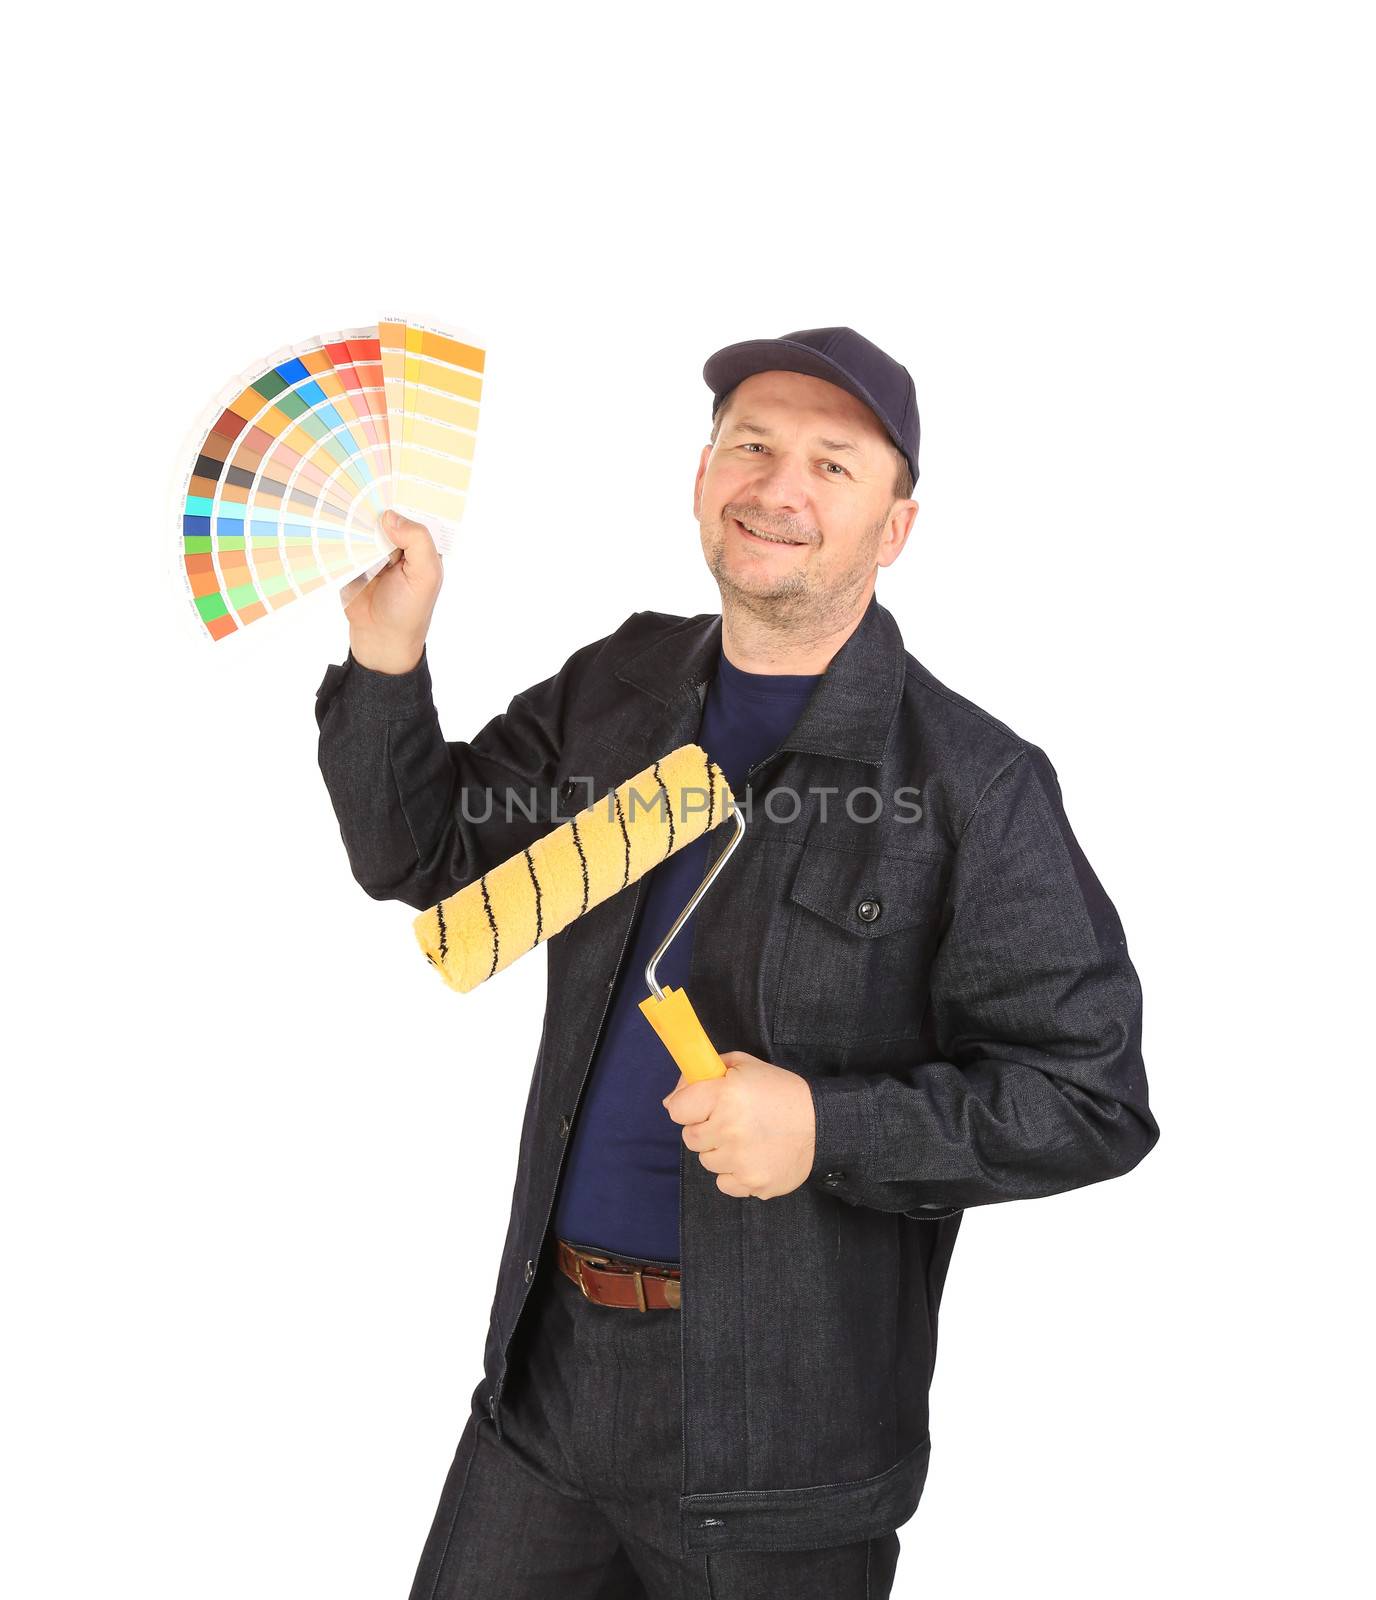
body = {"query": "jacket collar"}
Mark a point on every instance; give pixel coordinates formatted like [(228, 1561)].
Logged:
[(849, 714)]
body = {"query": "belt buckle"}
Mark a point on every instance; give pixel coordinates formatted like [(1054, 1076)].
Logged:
[(593, 1261), (603, 1261)]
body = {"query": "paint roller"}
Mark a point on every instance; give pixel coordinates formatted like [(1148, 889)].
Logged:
[(610, 844)]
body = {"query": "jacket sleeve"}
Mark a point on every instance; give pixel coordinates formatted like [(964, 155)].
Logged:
[(421, 817), (1038, 1084)]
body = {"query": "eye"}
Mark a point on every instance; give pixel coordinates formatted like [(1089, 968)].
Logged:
[(754, 444)]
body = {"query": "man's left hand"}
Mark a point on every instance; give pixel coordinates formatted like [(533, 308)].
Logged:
[(754, 1127)]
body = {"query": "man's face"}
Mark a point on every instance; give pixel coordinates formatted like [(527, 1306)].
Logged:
[(804, 461)]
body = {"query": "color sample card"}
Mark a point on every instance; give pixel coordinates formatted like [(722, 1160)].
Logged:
[(297, 460), (433, 382)]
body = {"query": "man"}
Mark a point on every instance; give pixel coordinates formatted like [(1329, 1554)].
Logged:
[(714, 1326)]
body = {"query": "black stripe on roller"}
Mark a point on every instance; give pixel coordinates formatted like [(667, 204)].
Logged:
[(444, 932), (491, 922), (621, 818), (583, 863), (668, 810), (539, 920)]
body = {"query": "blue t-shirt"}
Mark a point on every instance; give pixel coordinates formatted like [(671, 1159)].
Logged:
[(619, 1190)]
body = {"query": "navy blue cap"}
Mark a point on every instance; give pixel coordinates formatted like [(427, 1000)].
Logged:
[(841, 356)]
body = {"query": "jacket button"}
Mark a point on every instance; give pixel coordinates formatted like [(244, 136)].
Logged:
[(566, 790), (563, 1127), (530, 1270), (831, 1179), (867, 910)]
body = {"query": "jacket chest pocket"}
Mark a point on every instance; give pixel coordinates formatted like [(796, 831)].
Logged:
[(862, 931)]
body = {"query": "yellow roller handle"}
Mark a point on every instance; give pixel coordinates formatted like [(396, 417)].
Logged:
[(682, 1035)]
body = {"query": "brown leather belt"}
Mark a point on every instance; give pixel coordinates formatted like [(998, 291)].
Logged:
[(610, 1281)]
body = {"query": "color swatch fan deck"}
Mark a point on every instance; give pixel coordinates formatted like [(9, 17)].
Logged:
[(298, 459)]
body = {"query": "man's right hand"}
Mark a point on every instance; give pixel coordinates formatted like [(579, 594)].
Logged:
[(389, 614)]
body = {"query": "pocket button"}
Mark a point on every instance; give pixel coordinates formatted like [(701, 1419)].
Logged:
[(868, 910)]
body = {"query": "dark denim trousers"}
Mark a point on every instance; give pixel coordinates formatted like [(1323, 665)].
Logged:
[(579, 1498)]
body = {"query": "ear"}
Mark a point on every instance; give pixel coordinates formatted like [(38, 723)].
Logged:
[(896, 531), (703, 459)]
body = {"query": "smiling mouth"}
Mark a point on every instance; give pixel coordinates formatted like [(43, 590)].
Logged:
[(763, 538)]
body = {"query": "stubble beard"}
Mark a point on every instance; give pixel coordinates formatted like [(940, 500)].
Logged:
[(792, 602)]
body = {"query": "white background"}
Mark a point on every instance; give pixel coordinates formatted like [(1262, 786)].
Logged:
[(257, 1160)]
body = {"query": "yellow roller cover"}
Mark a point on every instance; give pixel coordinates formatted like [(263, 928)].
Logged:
[(532, 896)]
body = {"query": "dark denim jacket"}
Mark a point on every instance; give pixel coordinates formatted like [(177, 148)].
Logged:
[(954, 985)]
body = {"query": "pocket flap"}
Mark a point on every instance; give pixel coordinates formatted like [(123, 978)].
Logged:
[(869, 894)]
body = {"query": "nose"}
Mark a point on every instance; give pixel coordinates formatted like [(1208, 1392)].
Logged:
[(780, 483)]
